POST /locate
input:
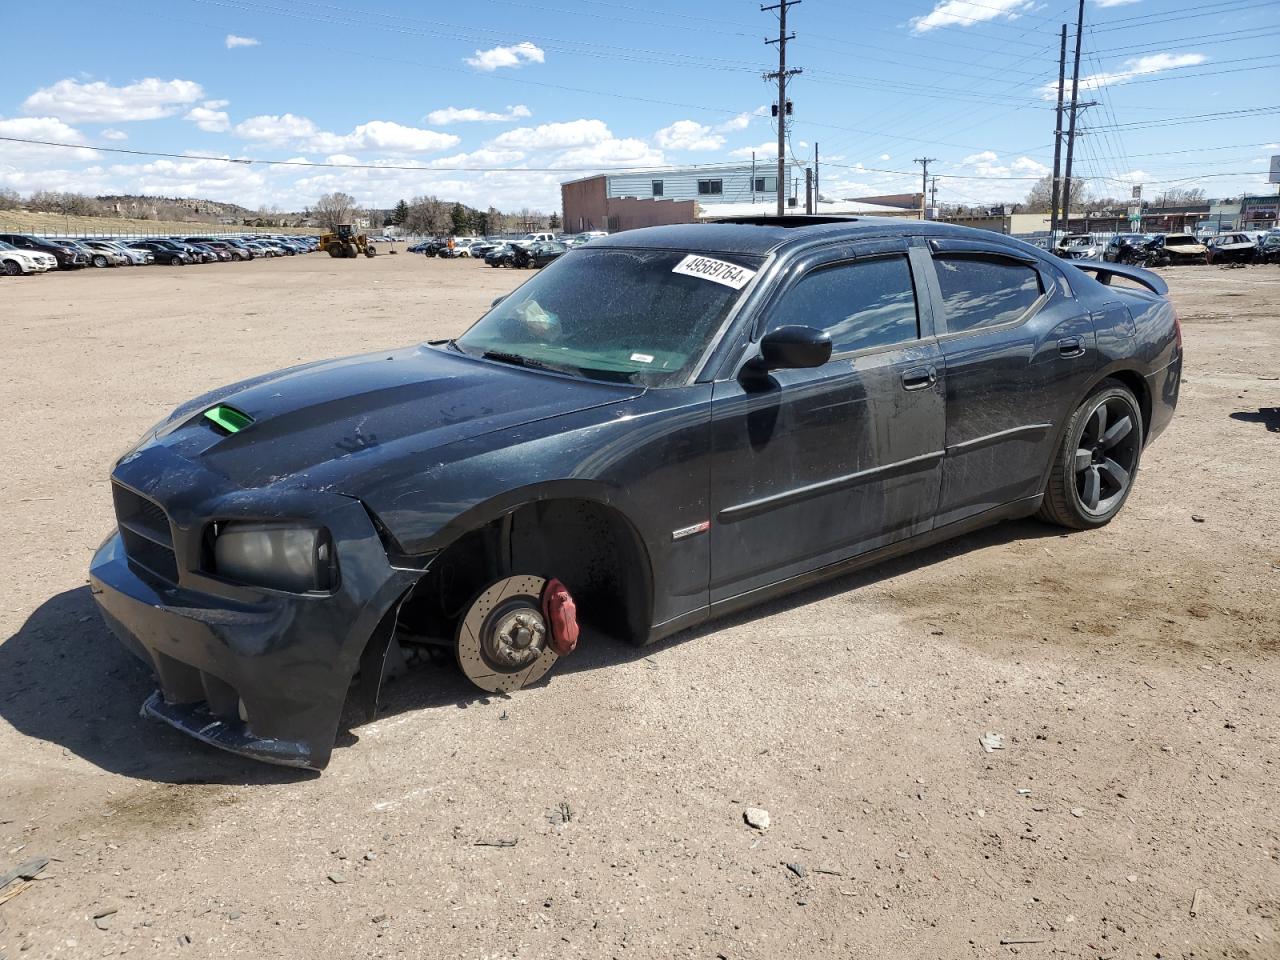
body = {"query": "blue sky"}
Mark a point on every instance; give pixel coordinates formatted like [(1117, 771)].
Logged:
[(525, 94)]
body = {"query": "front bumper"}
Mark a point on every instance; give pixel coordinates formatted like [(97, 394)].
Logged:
[(261, 673)]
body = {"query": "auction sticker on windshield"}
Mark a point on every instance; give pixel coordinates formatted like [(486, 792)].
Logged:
[(717, 271)]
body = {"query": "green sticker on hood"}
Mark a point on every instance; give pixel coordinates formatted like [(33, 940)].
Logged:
[(228, 418)]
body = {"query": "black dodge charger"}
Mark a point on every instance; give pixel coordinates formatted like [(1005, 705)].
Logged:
[(660, 427)]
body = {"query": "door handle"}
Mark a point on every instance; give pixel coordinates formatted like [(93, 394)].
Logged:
[(919, 378), (1070, 347)]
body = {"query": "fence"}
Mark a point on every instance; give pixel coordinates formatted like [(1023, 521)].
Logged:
[(58, 225)]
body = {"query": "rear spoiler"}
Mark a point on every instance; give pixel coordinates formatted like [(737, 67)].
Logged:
[(1106, 271)]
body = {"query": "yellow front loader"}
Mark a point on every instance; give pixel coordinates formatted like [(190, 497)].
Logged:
[(345, 242)]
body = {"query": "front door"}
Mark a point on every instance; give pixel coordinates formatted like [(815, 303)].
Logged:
[(812, 466)]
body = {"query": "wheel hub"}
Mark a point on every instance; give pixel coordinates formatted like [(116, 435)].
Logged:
[(516, 639)]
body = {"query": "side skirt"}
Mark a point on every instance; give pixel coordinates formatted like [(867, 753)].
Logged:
[(1009, 511)]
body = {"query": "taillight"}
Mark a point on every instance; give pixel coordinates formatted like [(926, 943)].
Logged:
[(1177, 331)]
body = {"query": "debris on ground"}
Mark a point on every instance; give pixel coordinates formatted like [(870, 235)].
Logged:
[(337, 877), (27, 870), (496, 843), (757, 818), (1077, 811), (798, 869), (991, 741), (561, 814), (1197, 902)]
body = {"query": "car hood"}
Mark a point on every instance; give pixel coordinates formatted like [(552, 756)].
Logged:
[(333, 425)]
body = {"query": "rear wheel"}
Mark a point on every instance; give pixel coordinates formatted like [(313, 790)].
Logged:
[(1094, 467), (335, 250)]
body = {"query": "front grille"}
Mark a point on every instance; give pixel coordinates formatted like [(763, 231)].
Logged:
[(145, 532)]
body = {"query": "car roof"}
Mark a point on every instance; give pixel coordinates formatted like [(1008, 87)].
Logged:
[(760, 236)]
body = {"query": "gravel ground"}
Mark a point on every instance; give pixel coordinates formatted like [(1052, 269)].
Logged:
[(1132, 672)]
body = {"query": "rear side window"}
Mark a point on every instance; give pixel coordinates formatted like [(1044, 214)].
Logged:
[(983, 291), (861, 304)]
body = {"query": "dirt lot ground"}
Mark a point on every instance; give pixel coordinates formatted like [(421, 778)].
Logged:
[(1134, 673)]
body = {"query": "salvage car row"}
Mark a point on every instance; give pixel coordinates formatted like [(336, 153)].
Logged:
[(1168, 249), (22, 253), (531, 250)]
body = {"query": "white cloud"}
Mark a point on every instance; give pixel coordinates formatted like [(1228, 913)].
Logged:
[(516, 55), (387, 136), (42, 128), (148, 99), (964, 13), (209, 118), (552, 136), (740, 122), (765, 151), (628, 152), (1025, 166), (1113, 3), (479, 158), (688, 135), (1135, 67), (270, 128), (448, 115), (114, 135), (380, 135), (885, 156), (233, 41)]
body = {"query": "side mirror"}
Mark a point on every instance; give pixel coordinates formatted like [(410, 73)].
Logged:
[(792, 348), (497, 300)]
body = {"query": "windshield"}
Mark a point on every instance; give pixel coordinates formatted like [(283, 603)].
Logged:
[(635, 316)]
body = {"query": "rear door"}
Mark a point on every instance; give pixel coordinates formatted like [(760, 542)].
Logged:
[(1019, 350), (817, 465)]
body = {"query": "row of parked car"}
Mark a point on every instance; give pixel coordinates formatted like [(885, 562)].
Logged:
[(1166, 249), (531, 250), (22, 253)]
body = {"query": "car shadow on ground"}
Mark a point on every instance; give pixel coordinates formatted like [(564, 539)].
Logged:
[(66, 680), (1269, 417), (441, 684)]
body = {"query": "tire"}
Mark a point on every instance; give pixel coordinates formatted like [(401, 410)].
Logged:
[(1095, 465), (175, 262), (12, 268), (100, 261)]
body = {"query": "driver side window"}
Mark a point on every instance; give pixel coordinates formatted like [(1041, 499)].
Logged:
[(861, 304)]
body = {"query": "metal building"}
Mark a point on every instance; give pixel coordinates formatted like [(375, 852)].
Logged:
[(626, 200)]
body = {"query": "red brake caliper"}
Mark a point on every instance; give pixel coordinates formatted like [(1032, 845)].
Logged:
[(561, 615)]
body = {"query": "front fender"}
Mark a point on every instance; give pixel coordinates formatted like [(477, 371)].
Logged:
[(646, 458)]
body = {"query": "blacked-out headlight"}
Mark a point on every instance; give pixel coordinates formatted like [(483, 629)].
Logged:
[(281, 556)]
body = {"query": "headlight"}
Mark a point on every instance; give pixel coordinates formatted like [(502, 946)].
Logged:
[(276, 555)]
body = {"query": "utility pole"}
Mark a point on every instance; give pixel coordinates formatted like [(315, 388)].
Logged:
[(1057, 140), (808, 190), (933, 191), (1071, 132), (782, 75), (816, 195), (924, 179)]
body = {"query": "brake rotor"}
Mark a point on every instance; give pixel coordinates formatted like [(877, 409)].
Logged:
[(504, 641)]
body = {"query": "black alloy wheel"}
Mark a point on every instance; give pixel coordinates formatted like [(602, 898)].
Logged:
[(1096, 463)]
